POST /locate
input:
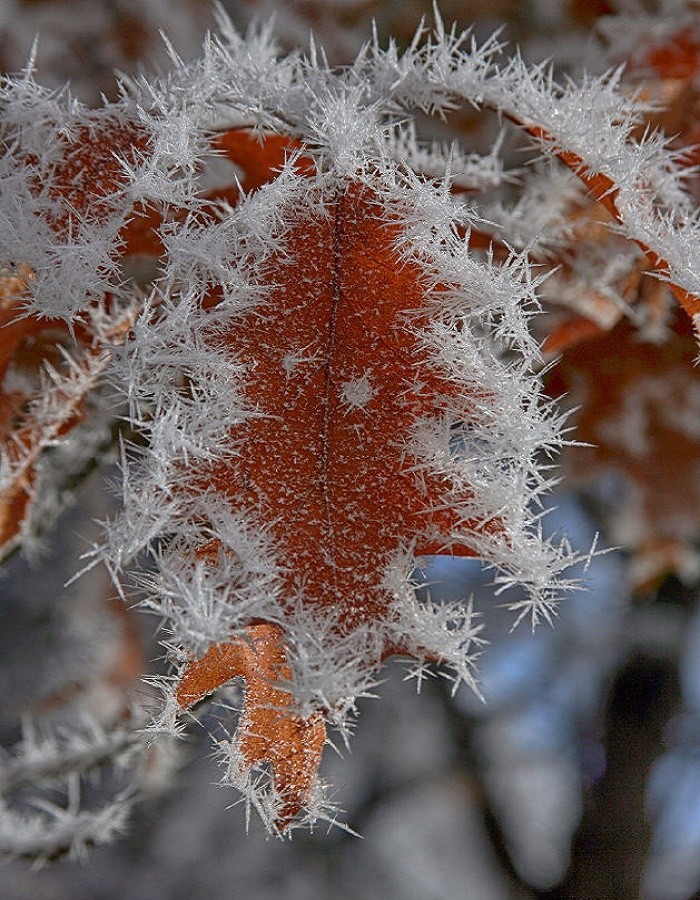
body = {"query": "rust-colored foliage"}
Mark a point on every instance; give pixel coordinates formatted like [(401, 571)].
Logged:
[(668, 79), (603, 189), (16, 333), (677, 63), (89, 170), (336, 474), (637, 389), (40, 420), (259, 157), (26, 344), (268, 730), (578, 310), (638, 411), (678, 57), (89, 175), (667, 72), (336, 372), (85, 179)]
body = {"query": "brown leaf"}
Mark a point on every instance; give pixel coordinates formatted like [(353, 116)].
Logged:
[(268, 731), (337, 373), (639, 411)]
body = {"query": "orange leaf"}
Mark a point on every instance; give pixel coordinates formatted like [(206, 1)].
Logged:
[(259, 158), (638, 410), (335, 370), (86, 179), (89, 172), (21, 345), (604, 190), (32, 420), (677, 57), (338, 377), (268, 730)]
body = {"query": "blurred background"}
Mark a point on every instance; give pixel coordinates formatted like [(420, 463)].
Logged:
[(578, 776)]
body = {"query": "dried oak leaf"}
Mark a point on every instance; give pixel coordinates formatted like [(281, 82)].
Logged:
[(269, 730), (335, 369), (637, 389), (40, 420), (48, 367), (259, 157), (336, 374), (28, 343), (669, 71), (639, 407), (665, 74), (86, 180)]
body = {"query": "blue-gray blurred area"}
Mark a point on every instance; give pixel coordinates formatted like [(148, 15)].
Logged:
[(577, 775)]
